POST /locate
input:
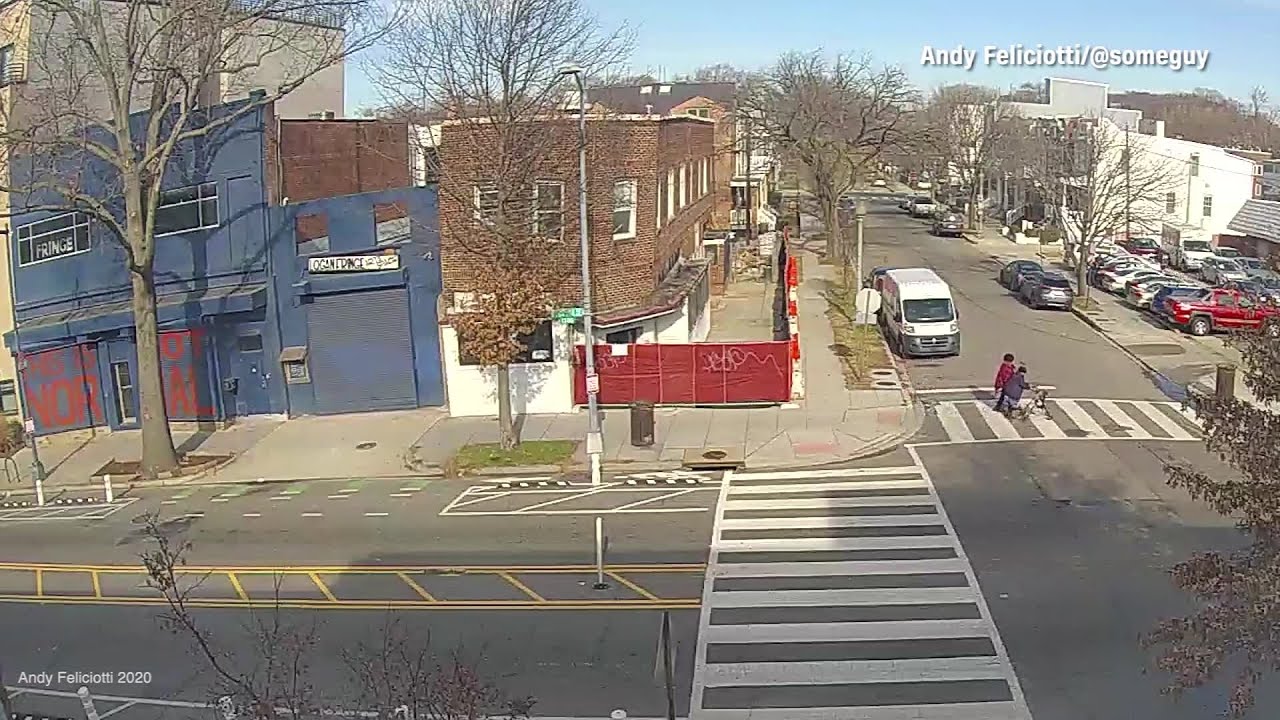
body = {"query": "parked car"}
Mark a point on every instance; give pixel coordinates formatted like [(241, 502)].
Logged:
[(875, 279), (948, 224), (1227, 252), (878, 182), (1220, 271), (1139, 293), (1113, 277), (1010, 274), (905, 203), (1047, 290), (1144, 246), (1150, 296), (1222, 309), (922, 206), (1253, 267)]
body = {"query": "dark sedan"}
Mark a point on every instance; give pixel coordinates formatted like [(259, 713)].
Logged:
[(1047, 290), (876, 277), (948, 224), (1011, 275)]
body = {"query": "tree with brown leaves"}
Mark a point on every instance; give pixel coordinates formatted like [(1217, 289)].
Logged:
[(1235, 629), (495, 67), (837, 116), (91, 64)]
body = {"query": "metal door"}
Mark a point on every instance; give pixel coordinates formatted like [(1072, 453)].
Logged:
[(252, 372), (361, 351)]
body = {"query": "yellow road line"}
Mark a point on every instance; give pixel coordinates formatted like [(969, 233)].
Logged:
[(324, 589), (235, 583), (521, 587), (510, 605), (358, 569), (97, 585), (634, 587), (39, 583), (422, 592)]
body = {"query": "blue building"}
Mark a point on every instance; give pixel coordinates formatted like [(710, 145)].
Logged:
[(319, 307)]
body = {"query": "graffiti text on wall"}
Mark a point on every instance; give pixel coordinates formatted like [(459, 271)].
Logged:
[(63, 388), (185, 374)]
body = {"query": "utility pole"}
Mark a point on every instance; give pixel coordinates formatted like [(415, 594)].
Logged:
[(37, 467), (860, 215), (751, 216)]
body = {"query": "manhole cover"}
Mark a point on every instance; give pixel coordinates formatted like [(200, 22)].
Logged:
[(367, 445), (715, 455)]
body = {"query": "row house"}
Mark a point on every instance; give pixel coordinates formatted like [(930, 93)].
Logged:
[(29, 64), (322, 302), (651, 181)]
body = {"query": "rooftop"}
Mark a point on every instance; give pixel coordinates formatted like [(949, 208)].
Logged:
[(660, 98)]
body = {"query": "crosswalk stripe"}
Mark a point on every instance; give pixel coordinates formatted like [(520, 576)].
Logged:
[(1121, 418), (832, 473), (814, 569), (998, 423), (845, 631), (1047, 428), (826, 487), (812, 503), (840, 598), (903, 542), (1166, 423), (1000, 710), (952, 423), (1080, 417), (840, 672), (826, 521)]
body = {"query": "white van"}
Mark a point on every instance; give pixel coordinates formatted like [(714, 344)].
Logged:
[(917, 313)]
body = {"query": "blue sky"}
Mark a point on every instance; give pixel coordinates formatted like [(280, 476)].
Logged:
[(676, 36)]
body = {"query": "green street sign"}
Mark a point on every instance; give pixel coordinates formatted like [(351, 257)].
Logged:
[(567, 315)]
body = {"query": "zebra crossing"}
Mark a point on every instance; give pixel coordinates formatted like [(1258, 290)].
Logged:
[(837, 594), (974, 420)]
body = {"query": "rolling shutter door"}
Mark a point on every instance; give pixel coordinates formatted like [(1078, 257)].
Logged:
[(361, 354)]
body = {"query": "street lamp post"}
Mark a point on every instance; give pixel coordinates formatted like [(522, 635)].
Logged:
[(595, 441), (37, 467)]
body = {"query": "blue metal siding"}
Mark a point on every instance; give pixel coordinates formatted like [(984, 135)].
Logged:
[(361, 357)]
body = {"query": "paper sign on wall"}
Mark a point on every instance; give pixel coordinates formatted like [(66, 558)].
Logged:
[(353, 263)]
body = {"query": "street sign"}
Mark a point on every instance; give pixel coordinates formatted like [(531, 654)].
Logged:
[(593, 384), (29, 425), (567, 315)]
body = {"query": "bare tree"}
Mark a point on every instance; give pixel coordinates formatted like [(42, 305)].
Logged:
[(117, 98), (1232, 631), (495, 67), (1099, 182), (969, 127), (719, 72), (837, 116)]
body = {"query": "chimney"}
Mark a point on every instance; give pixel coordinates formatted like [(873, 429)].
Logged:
[(1160, 128), (648, 109)]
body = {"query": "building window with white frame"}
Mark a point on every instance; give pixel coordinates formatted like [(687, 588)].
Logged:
[(486, 202), (706, 172), (658, 194), (1195, 164), (59, 236), (189, 208), (1170, 203), (548, 210), (1207, 208), (671, 194), (624, 209), (684, 186), (700, 112), (8, 397)]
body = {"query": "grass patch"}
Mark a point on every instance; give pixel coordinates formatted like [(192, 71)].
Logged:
[(531, 452), (858, 346)]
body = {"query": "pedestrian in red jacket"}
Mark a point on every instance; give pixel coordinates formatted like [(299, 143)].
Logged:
[(1006, 371)]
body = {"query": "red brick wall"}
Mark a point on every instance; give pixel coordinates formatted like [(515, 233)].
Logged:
[(623, 271), (328, 158), (723, 149)]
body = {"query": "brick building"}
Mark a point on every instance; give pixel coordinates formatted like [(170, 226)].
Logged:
[(649, 199)]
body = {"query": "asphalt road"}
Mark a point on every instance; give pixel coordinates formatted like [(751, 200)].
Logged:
[(1058, 349)]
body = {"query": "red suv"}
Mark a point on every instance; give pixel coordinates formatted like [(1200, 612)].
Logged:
[(1222, 309)]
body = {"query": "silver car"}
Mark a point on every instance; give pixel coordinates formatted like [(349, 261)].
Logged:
[(1220, 271)]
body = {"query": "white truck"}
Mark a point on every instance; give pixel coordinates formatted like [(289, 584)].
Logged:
[(1184, 247), (917, 313)]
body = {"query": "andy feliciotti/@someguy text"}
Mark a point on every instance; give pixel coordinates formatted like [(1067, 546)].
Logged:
[(1098, 57)]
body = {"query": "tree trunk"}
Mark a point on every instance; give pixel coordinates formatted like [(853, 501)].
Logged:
[(831, 222), (507, 436), (1082, 267), (158, 453)]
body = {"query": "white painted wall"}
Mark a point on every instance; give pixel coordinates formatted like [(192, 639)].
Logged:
[(536, 388), (702, 328), (1227, 178)]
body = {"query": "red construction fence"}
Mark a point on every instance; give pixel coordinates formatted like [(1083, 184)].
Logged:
[(688, 374)]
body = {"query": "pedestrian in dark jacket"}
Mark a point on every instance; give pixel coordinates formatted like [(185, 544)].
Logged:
[(1003, 373), (1013, 389)]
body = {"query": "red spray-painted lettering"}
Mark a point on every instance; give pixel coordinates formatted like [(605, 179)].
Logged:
[(181, 353), (63, 388)]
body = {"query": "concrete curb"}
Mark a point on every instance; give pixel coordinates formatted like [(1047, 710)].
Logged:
[(1149, 370)]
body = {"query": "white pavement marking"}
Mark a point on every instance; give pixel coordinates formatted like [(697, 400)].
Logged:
[(819, 503), (115, 710), (655, 499), (1166, 423), (708, 590), (376, 514), (828, 569), (252, 515), (1121, 418), (841, 598), (827, 487), (401, 494), (837, 473), (945, 711), (1047, 428), (828, 521), (998, 423), (168, 502), (220, 500), (1081, 418), (968, 389), (339, 497), (840, 672), (312, 514), (846, 631), (892, 542), (952, 422)]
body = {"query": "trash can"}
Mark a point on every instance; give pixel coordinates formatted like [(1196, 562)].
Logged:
[(642, 424)]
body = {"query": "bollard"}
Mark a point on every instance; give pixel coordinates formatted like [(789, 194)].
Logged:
[(90, 712), (106, 481), (1225, 384)]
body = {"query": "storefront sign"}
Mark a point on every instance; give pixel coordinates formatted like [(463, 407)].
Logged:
[(183, 359), (63, 388), (353, 263)]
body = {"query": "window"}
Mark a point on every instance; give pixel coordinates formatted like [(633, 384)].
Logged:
[(1171, 202), (1208, 206), (8, 397), (624, 209), (123, 381), (537, 347), (705, 177), (660, 194), (700, 112), (1195, 164), (249, 343), (486, 203), (311, 233), (6, 65), (548, 210), (623, 337), (188, 208), (60, 236), (391, 224), (671, 194), (684, 185)]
